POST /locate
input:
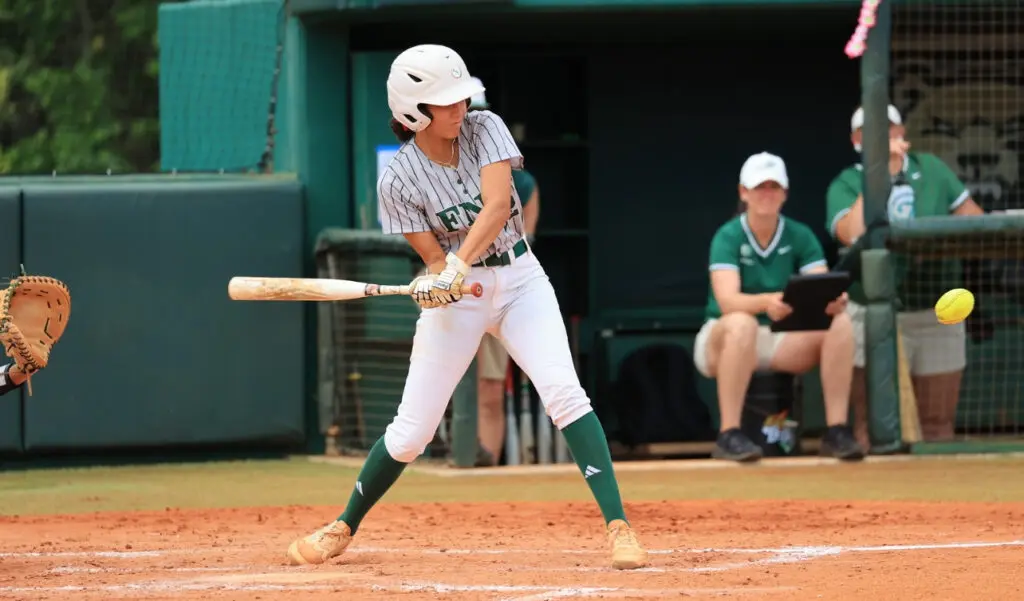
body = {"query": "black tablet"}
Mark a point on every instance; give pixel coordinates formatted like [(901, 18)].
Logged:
[(809, 295)]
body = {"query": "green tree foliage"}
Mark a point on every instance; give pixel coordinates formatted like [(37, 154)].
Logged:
[(78, 86)]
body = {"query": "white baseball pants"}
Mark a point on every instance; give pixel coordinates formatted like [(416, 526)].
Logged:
[(519, 307)]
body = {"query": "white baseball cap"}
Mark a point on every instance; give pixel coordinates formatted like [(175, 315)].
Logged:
[(763, 167), (857, 121), (478, 100)]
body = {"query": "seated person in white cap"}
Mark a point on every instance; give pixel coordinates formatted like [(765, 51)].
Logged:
[(922, 186), (751, 260), (492, 358)]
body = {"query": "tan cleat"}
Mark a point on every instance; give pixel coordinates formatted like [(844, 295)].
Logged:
[(327, 542), (627, 554)]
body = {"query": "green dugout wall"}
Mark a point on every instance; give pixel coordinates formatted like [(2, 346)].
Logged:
[(634, 139), (10, 255), (637, 117), (155, 353)]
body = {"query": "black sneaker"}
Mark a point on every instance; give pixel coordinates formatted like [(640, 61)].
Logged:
[(839, 442), (484, 458), (736, 446)]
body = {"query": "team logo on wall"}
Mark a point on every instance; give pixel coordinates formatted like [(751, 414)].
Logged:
[(957, 78), (960, 97)]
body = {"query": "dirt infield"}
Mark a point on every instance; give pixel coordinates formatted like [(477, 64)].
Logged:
[(527, 552)]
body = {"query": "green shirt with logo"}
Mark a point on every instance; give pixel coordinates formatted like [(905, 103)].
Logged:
[(926, 187), (793, 249)]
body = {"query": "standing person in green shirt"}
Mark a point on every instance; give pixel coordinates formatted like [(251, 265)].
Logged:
[(922, 186), (752, 258), (492, 358)]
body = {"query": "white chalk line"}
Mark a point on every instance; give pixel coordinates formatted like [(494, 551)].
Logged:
[(141, 554), (165, 587), (779, 555), (829, 549), (649, 592), (536, 591), (95, 570), (540, 592), (420, 551)]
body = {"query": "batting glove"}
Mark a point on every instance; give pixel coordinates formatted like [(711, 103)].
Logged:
[(422, 291), (447, 287)]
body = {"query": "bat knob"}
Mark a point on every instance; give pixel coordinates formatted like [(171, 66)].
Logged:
[(477, 289)]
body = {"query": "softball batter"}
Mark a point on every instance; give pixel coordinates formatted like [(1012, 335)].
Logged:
[(449, 191)]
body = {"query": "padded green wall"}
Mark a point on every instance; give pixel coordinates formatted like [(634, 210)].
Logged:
[(10, 256), (155, 352)]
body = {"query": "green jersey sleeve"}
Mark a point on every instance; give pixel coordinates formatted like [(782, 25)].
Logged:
[(725, 249), (810, 254), (842, 193), (525, 184), (954, 192)]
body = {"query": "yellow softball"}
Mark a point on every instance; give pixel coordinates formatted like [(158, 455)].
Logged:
[(954, 306)]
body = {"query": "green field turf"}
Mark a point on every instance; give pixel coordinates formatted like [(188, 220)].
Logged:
[(299, 481)]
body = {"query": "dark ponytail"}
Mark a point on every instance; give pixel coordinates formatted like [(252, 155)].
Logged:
[(741, 208), (401, 132)]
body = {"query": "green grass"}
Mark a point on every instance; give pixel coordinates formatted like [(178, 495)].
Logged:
[(298, 481)]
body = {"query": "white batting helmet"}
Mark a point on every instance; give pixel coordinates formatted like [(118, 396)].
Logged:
[(427, 74)]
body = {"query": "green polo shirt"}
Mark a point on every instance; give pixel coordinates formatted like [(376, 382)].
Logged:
[(524, 183), (925, 188), (793, 249)]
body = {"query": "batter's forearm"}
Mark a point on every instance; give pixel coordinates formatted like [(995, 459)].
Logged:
[(484, 231), (429, 249)]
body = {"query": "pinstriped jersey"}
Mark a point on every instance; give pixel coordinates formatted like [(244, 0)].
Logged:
[(416, 194)]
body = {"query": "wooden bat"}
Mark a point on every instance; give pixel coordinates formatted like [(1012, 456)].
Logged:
[(910, 423), (245, 288)]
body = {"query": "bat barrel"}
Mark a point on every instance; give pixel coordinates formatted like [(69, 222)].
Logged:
[(318, 289)]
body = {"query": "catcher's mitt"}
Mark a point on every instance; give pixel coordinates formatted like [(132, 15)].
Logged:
[(34, 311)]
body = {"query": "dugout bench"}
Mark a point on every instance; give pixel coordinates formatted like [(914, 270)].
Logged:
[(649, 354)]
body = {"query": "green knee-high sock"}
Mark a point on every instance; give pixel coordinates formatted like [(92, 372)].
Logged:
[(379, 472), (586, 439)]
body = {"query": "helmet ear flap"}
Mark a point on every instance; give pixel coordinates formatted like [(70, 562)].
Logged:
[(424, 115)]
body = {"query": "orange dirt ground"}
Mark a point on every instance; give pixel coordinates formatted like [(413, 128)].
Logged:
[(527, 552)]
